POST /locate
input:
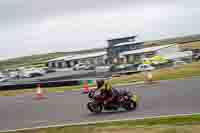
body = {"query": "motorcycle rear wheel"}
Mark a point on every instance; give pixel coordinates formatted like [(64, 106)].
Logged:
[(130, 105)]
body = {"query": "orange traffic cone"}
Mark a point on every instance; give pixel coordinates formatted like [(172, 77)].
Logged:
[(86, 87), (39, 92), (149, 77)]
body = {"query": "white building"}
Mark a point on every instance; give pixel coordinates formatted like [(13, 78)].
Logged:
[(171, 52), (95, 58)]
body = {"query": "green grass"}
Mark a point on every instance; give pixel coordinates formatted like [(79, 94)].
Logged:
[(176, 124), (184, 71), (33, 60), (191, 45)]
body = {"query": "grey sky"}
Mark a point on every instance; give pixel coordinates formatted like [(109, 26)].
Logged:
[(40, 26)]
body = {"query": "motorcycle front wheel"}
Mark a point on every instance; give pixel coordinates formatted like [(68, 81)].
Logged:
[(93, 107)]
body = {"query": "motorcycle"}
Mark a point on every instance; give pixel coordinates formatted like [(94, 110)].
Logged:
[(124, 99)]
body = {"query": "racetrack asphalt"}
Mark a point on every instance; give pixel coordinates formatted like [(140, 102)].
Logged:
[(164, 98)]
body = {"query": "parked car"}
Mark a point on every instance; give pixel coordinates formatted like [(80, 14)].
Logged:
[(32, 72), (3, 78), (155, 60), (104, 68), (178, 63), (145, 67), (196, 56), (13, 74), (123, 67), (82, 66), (48, 70)]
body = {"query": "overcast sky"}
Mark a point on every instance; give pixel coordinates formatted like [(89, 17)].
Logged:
[(40, 26)]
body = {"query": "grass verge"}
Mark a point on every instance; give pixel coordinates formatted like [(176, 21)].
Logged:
[(175, 124), (185, 71)]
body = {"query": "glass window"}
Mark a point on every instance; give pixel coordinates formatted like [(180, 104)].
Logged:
[(59, 64), (53, 64), (67, 63), (75, 62)]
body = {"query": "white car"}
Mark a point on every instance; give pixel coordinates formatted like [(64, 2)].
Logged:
[(123, 66), (13, 74), (145, 67), (102, 68), (82, 66), (32, 72), (178, 63), (3, 78)]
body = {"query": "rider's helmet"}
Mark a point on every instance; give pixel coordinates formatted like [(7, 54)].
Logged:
[(100, 83)]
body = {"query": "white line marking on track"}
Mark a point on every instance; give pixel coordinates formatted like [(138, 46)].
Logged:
[(96, 122), (39, 121)]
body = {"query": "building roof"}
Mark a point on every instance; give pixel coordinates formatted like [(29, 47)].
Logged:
[(57, 59), (79, 56), (119, 38), (127, 43), (145, 50)]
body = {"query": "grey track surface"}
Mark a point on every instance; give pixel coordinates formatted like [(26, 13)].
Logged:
[(165, 98)]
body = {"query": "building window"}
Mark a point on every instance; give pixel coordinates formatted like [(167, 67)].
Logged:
[(53, 65), (133, 47), (92, 61), (68, 64), (131, 39), (59, 64), (75, 62), (137, 58), (106, 61)]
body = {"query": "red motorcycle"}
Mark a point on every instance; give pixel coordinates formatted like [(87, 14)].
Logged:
[(123, 99)]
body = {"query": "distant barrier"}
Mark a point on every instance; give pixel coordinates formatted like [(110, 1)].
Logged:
[(54, 81), (44, 84)]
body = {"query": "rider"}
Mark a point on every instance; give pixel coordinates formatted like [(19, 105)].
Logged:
[(106, 89)]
